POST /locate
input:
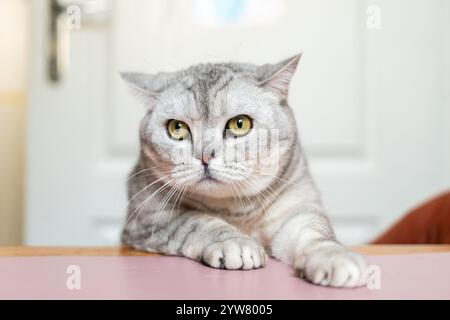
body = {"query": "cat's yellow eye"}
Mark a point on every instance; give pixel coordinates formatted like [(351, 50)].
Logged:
[(239, 126), (178, 130)]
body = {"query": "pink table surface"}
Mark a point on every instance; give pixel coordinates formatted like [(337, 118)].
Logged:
[(421, 276)]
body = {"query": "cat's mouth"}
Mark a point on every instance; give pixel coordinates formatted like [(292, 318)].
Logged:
[(207, 178)]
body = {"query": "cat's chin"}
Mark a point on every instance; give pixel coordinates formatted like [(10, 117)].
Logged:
[(212, 188)]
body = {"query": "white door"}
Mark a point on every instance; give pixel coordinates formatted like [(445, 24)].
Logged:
[(371, 98)]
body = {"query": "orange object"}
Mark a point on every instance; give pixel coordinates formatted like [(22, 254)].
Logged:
[(427, 224)]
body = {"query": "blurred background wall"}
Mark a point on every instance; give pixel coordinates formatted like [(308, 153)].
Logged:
[(14, 47)]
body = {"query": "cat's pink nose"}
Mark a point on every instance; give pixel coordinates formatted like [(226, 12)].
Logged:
[(205, 159)]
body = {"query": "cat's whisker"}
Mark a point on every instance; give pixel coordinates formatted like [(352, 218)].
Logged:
[(256, 194), (232, 183), (278, 178), (247, 195), (164, 203), (269, 191), (161, 207), (152, 173), (183, 192), (142, 205), (236, 195), (139, 174), (146, 170), (266, 194), (180, 194), (270, 195), (147, 187), (248, 186), (235, 188)]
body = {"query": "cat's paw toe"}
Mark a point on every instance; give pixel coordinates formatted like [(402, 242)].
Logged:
[(335, 267), (234, 254)]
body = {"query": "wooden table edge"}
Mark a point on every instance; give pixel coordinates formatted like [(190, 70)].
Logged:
[(25, 251)]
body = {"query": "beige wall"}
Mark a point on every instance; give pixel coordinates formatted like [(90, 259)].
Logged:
[(13, 61)]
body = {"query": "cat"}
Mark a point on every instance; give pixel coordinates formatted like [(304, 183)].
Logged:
[(222, 211)]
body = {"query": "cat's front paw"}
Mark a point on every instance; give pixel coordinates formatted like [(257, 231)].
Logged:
[(334, 266), (236, 253)]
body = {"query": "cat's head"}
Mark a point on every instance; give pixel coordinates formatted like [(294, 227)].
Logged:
[(218, 128)]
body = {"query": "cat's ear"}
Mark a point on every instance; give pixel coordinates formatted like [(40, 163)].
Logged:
[(145, 87), (277, 77)]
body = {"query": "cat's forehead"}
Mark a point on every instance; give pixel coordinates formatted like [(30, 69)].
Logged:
[(207, 91), (206, 80), (212, 72)]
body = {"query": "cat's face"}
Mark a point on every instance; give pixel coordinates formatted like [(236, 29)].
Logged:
[(218, 129)]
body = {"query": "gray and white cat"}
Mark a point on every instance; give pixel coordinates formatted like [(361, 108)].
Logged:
[(223, 211)]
